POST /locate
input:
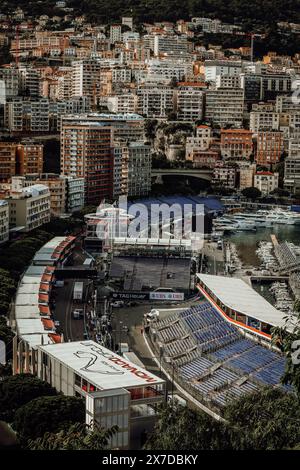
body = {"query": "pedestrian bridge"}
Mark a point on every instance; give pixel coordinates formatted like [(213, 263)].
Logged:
[(204, 174)]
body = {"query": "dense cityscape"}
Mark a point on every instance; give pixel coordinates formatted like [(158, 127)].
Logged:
[(149, 226)]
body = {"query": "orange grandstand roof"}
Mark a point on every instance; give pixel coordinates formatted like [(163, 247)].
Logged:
[(48, 324), (55, 338), (44, 286), (46, 278), (43, 298), (44, 310)]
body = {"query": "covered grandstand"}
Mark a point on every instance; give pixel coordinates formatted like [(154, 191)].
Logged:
[(212, 359), (241, 305)]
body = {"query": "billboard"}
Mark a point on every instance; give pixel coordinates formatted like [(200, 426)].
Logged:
[(166, 296)]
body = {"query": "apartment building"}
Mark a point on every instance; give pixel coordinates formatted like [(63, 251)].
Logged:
[(215, 68), (228, 81), (155, 101), (30, 158), (292, 167), (139, 169), (225, 106), (4, 221), (266, 181), (246, 173), (41, 115), (12, 81), (115, 33), (86, 78), (173, 45), (199, 143), (29, 208), (75, 194), (86, 152), (132, 169), (269, 147), (189, 101), (236, 144), (124, 103), (169, 70), (7, 161), (128, 126), (224, 175), (264, 118)]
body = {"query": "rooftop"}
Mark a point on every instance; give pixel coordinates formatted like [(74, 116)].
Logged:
[(238, 295), (100, 366)]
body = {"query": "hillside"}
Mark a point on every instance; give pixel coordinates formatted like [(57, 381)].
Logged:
[(255, 12)]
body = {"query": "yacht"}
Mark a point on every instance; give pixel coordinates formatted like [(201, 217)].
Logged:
[(243, 222)]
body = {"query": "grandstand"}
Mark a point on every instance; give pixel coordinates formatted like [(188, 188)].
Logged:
[(138, 273), (212, 358)]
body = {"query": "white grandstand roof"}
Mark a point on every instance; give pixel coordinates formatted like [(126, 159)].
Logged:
[(100, 366), (239, 296), (27, 311)]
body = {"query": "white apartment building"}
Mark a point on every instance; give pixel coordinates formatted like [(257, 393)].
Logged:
[(74, 194), (40, 115), (125, 103), (225, 106), (189, 102), (228, 81), (29, 208), (170, 45), (86, 78), (213, 68), (115, 33), (169, 69), (264, 121), (12, 81), (292, 167), (155, 101), (4, 221), (266, 181)]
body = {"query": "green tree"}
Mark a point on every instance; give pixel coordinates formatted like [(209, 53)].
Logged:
[(173, 431), (287, 338), (47, 414), (77, 437), (251, 193), (17, 390), (264, 420)]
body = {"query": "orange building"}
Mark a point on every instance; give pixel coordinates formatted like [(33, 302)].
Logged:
[(30, 159), (269, 147), (7, 161), (236, 144)]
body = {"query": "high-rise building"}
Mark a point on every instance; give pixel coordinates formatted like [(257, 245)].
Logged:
[(86, 78), (225, 106), (29, 158), (155, 101), (7, 161), (86, 152), (269, 148), (190, 101), (4, 221), (292, 167)]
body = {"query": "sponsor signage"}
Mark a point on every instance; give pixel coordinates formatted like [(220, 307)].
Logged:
[(130, 295), (166, 296)]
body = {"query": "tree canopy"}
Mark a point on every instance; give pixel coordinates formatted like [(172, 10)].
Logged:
[(19, 389), (48, 414)]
